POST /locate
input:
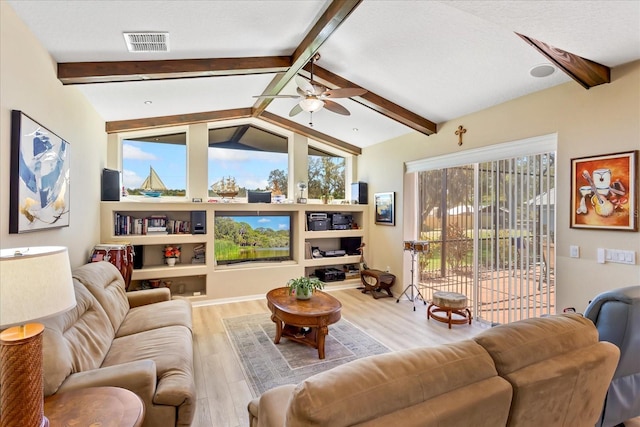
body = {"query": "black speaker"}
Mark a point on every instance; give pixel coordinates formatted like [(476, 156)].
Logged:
[(359, 193), (110, 185), (350, 245), (198, 222), (138, 252)]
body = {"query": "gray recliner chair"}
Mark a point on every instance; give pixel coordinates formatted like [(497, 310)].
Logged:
[(616, 314)]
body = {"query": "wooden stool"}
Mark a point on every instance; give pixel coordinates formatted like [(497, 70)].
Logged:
[(449, 303), (383, 281)]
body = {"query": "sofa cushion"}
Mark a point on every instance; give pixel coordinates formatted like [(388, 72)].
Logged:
[(558, 369), (523, 343), (105, 282), (158, 315), (171, 350), (75, 341), (368, 388)]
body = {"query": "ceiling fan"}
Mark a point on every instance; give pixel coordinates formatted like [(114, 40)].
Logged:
[(312, 96)]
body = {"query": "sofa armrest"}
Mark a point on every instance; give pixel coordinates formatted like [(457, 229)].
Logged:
[(138, 377), (269, 410), (148, 296)]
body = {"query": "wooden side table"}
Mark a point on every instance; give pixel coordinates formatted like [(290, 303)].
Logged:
[(95, 406)]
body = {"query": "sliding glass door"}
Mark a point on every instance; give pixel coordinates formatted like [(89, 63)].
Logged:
[(490, 227)]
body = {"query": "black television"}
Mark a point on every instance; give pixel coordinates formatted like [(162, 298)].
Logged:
[(252, 237)]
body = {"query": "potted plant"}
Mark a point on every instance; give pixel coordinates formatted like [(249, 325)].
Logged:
[(303, 286), (171, 254)]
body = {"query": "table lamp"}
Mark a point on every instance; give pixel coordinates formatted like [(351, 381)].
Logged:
[(35, 283)]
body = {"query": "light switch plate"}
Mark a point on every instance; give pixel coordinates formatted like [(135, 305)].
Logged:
[(574, 251), (600, 255)]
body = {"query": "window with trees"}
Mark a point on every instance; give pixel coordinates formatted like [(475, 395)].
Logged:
[(155, 166), (326, 175)]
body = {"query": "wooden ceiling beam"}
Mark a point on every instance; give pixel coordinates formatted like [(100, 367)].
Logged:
[(176, 120), (582, 70), (125, 71), (376, 102), (309, 133), (336, 14)]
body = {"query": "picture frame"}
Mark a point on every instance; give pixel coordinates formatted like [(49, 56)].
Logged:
[(604, 192), (39, 187), (385, 209)]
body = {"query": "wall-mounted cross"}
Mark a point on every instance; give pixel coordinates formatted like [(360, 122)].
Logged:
[(461, 131)]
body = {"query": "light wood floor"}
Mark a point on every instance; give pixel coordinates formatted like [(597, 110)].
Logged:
[(223, 393)]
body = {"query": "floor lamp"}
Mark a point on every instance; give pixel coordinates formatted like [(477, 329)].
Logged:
[(35, 283)]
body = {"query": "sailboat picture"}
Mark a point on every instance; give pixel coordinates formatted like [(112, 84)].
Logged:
[(153, 185)]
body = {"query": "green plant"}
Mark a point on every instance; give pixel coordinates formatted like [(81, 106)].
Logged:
[(304, 285)]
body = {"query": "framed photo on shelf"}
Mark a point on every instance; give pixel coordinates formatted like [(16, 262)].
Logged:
[(39, 179), (385, 208), (604, 192)]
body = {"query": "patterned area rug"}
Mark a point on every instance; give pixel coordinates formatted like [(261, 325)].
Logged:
[(267, 365)]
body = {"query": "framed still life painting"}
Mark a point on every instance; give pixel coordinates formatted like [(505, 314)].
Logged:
[(385, 208), (604, 192), (39, 184)]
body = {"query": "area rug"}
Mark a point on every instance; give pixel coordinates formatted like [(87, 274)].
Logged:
[(267, 365)]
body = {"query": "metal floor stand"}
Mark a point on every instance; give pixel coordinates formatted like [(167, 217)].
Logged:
[(412, 286)]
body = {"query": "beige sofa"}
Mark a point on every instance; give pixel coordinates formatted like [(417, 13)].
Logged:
[(141, 341), (538, 372)]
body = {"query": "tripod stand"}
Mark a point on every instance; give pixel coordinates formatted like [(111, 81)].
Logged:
[(414, 248)]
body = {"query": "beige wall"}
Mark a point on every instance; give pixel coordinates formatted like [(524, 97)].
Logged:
[(604, 119), (28, 82)]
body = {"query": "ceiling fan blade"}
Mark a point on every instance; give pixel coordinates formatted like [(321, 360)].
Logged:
[(336, 108), (276, 96), (297, 109), (304, 85), (346, 92)]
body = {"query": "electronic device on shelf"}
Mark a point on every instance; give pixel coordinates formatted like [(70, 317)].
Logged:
[(341, 221), (333, 253), (330, 274), (318, 222)]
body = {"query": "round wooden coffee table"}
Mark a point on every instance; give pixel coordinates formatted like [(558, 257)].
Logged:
[(291, 315)]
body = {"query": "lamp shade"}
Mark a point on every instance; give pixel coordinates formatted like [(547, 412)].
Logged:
[(35, 283)]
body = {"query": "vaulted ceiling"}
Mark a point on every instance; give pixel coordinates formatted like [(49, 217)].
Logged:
[(421, 62)]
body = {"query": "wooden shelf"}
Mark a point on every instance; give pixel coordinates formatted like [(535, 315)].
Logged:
[(164, 271), (338, 260), (333, 234)]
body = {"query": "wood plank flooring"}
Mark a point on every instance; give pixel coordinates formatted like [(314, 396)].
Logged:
[(223, 393)]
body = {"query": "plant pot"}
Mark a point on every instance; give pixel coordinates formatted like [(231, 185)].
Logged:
[(303, 293), (171, 262)]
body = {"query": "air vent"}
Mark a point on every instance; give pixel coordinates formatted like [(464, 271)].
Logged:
[(147, 41)]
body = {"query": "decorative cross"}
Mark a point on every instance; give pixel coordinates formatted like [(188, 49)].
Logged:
[(460, 132)]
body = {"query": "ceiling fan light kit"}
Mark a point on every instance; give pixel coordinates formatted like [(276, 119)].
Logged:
[(311, 104)]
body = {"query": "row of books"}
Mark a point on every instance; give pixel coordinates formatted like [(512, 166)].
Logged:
[(125, 225)]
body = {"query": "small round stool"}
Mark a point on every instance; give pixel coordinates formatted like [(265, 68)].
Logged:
[(449, 303)]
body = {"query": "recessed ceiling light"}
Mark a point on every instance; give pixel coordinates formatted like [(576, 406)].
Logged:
[(148, 102), (355, 129), (542, 70)]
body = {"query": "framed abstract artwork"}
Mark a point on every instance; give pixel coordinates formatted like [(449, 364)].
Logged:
[(604, 192), (39, 184), (385, 208)]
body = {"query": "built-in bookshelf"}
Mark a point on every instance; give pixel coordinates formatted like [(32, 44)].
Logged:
[(196, 273)]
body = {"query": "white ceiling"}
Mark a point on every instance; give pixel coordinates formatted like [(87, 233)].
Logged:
[(438, 59)]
